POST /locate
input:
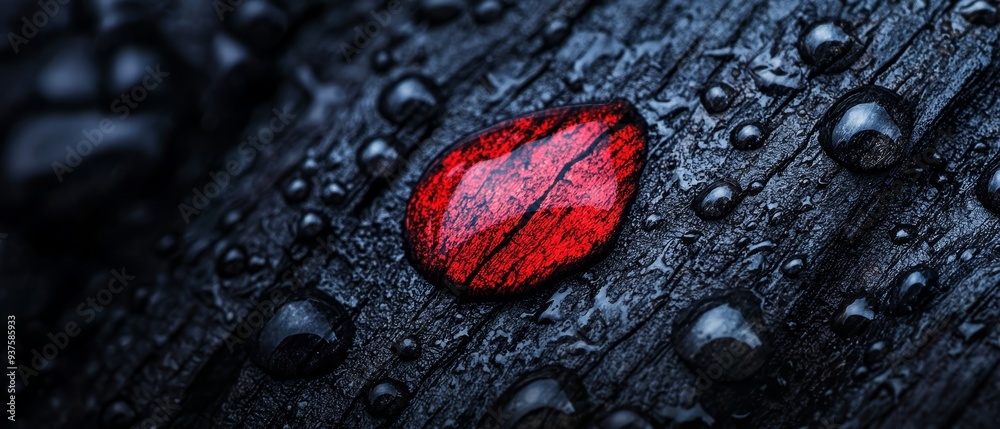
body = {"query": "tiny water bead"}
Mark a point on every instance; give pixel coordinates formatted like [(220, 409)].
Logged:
[(867, 130), (724, 336), (408, 349), (296, 190), (311, 225), (380, 158), (853, 317), (793, 267), (622, 418), (829, 47), (410, 99), (903, 234), (487, 11), (382, 60), (988, 188), (748, 136), (717, 97), (555, 32), (912, 290), (306, 337), (232, 262), (560, 183), (387, 398), (877, 351), (551, 397), (717, 200), (333, 194)]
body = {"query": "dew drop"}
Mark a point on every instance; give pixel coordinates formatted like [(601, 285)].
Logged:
[(717, 200), (755, 187), (691, 237), (488, 11), (912, 290), (232, 262), (551, 397), (980, 12), (410, 99), (306, 337), (260, 23), (903, 234), (310, 225), (988, 188), (867, 130), (387, 398), (853, 317), (723, 335), (296, 190), (623, 418), (555, 32), (380, 158), (408, 349), (877, 351), (829, 47), (717, 97), (748, 136), (382, 60), (117, 414), (793, 267), (333, 194)]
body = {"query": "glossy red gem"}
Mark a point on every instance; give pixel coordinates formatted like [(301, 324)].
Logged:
[(529, 200)]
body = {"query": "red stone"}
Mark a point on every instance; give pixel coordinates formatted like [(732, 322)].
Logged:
[(527, 201)]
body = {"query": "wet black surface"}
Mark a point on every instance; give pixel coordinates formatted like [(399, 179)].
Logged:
[(281, 139)]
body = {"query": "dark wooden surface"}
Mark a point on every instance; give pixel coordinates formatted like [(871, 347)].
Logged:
[(613, 321)]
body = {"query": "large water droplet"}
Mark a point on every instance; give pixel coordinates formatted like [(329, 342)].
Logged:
[(912, 290), (988, 188), (387, 398), (717, 97), (867, 130), (410, 99), (724, 335), (853, 317), (306, 337), (717, 200), (748, 136), (829, 47), (551, 397)]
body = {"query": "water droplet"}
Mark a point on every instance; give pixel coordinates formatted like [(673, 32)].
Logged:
[(296, 190), (980, 12), (912, 290), (748, 136), (717, 97), (723, 335), (491, 215), (717, 200), (309, 167), (333, 194), (867, 130), (794, 266), (970, 331), (829, 47), (232, 262), (117, 414), (258, 22), (380, 158), (555, 32), (988, 188), (551, 397), (306, 337), (755, 187), (311, 225), (382, 60), (488, 11), (410, 99), (408, 349), (440, 11), (690, 237), (903, 234), (773, 73), (623, 418), (877, 351), (853, 317), (387, 398), (981, 148)]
